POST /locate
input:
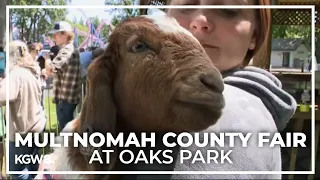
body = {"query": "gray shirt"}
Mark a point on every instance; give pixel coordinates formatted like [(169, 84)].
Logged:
[(255, 102)]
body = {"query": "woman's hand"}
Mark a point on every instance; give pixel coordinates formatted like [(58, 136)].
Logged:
[(48, 65), (46, 56), (44, 73)]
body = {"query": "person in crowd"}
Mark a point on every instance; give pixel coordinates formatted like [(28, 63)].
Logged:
[(34, 49), (2, 62), (44, 74), (66, 73), (2, 116), (25, 111), (81, 50), (86, 58)]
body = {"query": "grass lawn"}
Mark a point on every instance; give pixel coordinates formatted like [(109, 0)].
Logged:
[(50, 110), (52, 122)]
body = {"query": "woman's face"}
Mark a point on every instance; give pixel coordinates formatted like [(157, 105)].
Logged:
[(225, 34), (34, 52)]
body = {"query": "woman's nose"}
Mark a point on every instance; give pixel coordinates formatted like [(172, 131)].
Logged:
[(200, 24)]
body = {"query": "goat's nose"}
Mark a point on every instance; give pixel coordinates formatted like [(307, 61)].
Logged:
[(212, 81)]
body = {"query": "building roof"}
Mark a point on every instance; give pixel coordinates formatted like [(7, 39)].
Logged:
[(288, 44)]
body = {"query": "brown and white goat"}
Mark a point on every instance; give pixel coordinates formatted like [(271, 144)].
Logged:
[(154, 76)]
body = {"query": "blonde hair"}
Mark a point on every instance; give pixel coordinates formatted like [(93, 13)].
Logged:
[(19, 54), (70, 35)]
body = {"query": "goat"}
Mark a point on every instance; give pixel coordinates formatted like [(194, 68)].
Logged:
[(154, 76)]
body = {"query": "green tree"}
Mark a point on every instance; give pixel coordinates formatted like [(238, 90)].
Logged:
[(81, 21), (79, 27), (119, 14), (75, 20), (35, 22), (289, 31), (95, 21)]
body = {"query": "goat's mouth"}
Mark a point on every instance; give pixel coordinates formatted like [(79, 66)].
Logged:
[(213, 101), (206, 95), (202, 94), (199, 110)]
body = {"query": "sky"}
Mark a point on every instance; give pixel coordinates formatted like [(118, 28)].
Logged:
[(88, 12)]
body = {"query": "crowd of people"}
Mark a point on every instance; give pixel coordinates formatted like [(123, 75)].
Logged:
[(31, 68)]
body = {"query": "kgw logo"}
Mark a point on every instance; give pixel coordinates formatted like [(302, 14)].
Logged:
[(27, 159)]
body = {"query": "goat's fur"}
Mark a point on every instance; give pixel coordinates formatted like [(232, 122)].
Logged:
[(153, 76)]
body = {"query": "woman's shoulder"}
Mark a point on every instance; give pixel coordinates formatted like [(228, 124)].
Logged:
[(244, 110), (21, 71), (18, 71), (258, 85), (243, 113)]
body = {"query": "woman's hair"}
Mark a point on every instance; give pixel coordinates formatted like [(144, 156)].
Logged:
[(262, 31), (19, 53)]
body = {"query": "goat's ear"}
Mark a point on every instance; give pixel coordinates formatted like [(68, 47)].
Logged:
[(99, 110)]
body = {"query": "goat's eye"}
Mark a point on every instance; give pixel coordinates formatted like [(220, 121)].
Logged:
[(139, 47)]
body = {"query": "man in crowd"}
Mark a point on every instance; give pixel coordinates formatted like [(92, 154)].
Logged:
[(66, 73)]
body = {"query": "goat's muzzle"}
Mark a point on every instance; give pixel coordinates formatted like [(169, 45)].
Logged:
[(200, 98), (204, 90)]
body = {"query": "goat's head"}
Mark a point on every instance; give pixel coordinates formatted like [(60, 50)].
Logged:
[(153, 76), (163, 79)]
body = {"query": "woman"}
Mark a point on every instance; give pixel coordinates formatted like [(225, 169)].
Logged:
[(34, 49), (44, 74), (254, 99), (25, 111)]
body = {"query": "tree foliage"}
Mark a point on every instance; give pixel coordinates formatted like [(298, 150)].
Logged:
[(288, 31), (121, 14), (35, 22), (80, 27)]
